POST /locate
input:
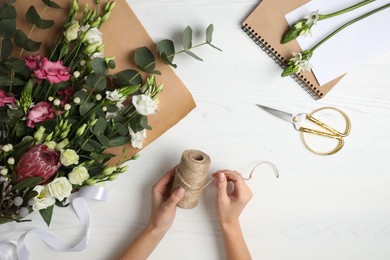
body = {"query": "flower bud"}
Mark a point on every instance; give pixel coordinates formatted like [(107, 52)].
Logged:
[(104, 109), (51, 145), (67, 107), (76, 100), (109, 170), (38, 135), (18, 201), (57, 102), (62, 145), (75, 6), (48, 137), (90, 49), (4, 171), (113, 177), (82, 63), (96, 23), (11, 161), (93, 122), (80, 131), (135, 156), (98, 97), (65, 133), (90, 182), (123, 169), (76, 74), (50, 99)]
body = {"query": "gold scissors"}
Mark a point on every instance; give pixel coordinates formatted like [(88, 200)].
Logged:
[(329, 132)]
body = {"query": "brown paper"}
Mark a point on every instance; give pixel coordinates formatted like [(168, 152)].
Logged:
[(267, 24), (122, 34)]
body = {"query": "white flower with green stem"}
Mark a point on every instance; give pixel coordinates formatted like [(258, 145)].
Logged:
[(300, 62), (303, 27)]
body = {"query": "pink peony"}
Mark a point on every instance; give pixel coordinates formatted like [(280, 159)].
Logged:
[(32, 62), (38, 161), (54, 72), (42, 111), (4, 99)]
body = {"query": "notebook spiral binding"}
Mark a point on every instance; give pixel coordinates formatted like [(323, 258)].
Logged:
[(257, 39)]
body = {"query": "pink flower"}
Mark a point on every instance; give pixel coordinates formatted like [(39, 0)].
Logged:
[(42, 111), (38, 161), (66, 94), (32, 62), (54, 72), (4, 99)]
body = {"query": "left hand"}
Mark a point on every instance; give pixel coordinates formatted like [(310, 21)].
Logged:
[(164, 203)]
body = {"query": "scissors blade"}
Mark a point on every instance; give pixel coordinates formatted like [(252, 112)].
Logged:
[(281, 114)]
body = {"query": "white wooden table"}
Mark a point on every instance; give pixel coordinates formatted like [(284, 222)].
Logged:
[(320, 208)]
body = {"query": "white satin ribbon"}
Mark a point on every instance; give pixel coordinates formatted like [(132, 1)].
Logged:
[(11, 250)]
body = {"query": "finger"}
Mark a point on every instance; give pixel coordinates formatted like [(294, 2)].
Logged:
[(166, 179), (221, 183), (175, 197)]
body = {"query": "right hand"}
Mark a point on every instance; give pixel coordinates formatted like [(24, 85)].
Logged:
[(230, 206)]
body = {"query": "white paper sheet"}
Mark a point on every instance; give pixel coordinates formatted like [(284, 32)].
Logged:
[(352, 46)]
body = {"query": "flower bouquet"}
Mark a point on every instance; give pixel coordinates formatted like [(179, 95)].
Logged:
[(61, 112)]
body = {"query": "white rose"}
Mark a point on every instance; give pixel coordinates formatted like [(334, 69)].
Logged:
[(144, 104), (43, 200), (69, 157), (60, 188), (71, 33), (93, 34), (137, 138), (78, 175)]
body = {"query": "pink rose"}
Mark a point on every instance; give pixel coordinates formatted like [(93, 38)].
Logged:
[(4, 99), (42, 111), (54, 72), (38, 161), (32, 62)]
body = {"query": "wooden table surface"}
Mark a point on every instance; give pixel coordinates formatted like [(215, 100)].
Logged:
[(322, 208)]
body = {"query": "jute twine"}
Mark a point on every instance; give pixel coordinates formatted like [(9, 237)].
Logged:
[(191, 174)]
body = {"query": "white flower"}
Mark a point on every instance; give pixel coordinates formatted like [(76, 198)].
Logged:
[(97, 55), (60, 188), (57, 102), (44, 199), (4, 171), (71, 33), (76, 74), (69, 157), (302, 64), (144, 105), (98, 97), (11, 161), (93, 34), (137, 138), (77, 100), (78, 175), (51, 145), (67, 107), (116, 96), (61, 145), (312, 18)]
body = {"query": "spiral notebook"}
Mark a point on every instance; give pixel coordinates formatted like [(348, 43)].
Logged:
[(266, 26)]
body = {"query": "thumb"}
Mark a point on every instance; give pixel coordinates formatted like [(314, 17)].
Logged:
[(221, 186), (175, 197)]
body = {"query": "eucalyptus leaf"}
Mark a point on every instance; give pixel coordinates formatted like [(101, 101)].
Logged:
[(91, 145), (82, 95), (46, 214), (187, 38), (103, 140), (15, 64), (144, 59), (193, 55), (99, 66), (127, 77), (6, 49), (100, 126), (86, 107), (30, 194), (33, 17), (5, 81), (96, 82), (138, 123), (7, 28), (27, 183), (102, 156), (209, 33), (119, 140), (111, 64), (215, 47), (51, 4), (167, 47), (166, 60), (8, 11), (23, 42)]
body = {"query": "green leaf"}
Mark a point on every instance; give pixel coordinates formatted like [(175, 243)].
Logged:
[(15, 64), (187, 38), (139, 123), (30, 194), (127, 77), (7, 28), (99, 66), (91, 146), (82, 95), (4, 81), (121, 129), (96, 82), (119, 140), (209, 33), (103, 140), (168, 48), (7, 11), (27, 183), (102, 156), (6, 49), (51, 4), (111, 64), (100, 126), (20, 129), (23, 42), (33, 17), (46, 214), (86, 107), (215, 47), (193, 55), (144, 59), (166, 60)]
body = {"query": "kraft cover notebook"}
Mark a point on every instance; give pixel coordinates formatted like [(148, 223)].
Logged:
[(266, 26), (122, 34)]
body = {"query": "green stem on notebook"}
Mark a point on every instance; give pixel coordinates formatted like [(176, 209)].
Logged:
[(303, 26), (300, 61)]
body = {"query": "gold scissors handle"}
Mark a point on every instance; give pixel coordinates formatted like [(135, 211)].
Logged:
[(333, 133)]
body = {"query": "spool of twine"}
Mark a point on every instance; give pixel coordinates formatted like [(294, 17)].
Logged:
[(191, 174)]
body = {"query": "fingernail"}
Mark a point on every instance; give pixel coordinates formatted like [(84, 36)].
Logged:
[(180, 191), (221, 177)]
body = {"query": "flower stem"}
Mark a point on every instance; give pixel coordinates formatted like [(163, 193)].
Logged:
[(348, 24), (345, 10)]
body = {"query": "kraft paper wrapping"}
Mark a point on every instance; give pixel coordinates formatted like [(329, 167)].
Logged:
[(122, 34)]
